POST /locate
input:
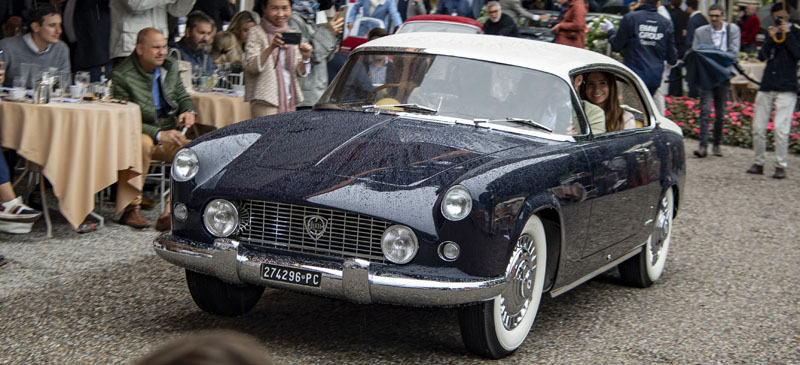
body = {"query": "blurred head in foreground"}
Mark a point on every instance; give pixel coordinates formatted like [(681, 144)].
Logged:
[(209, 348)]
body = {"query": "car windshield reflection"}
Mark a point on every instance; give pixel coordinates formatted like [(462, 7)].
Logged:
[(452, 87)]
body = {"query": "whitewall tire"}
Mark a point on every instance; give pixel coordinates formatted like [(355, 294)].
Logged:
[(496, 328)]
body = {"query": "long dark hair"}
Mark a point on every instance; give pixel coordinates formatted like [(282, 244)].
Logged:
[(614, 121)]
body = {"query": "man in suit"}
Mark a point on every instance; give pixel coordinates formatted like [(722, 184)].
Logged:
[(725, 37), (696, 19)]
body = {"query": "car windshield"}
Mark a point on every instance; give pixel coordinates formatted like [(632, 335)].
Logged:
[(437, 26), (453, 87)]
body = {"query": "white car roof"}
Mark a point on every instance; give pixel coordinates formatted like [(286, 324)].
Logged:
[(549, 57)]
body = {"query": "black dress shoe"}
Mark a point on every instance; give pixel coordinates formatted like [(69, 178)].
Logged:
[(701, 152), (756, 169), (717, 151), (780, 173)]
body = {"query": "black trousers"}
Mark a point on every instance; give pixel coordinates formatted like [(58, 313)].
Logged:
[(719, 95)]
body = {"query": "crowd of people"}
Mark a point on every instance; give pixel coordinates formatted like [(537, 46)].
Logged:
[(129, 43)]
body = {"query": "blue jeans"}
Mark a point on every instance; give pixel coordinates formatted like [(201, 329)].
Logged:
[(5, 175), (720, 96)]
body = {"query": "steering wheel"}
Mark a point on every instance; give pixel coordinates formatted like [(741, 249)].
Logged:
[(379, 88)]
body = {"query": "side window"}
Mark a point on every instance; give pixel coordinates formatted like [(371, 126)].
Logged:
[(608, 96), (631, 102)]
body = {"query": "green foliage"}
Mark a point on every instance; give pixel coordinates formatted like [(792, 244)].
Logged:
[(737, 129), (597, 39)]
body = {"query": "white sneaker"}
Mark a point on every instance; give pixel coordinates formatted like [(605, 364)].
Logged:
[(16, 217)]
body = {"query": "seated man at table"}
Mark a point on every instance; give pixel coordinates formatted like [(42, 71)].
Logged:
[(149, 78), (40, 46), (195, 46)]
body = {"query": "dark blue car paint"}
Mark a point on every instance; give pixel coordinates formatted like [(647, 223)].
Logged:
[(397, 169)]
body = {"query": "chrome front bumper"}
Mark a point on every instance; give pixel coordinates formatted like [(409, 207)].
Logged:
[(355, 280)]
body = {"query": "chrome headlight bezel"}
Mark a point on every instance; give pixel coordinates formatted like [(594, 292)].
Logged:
[(457, 197), (185, 165), (391, 236), (221, 218)]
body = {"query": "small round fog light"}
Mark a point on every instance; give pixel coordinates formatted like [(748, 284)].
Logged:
[(399, 244), (180, 212), (449, 251)]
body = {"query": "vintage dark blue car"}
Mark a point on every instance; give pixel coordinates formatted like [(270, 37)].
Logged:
[(436, 170)]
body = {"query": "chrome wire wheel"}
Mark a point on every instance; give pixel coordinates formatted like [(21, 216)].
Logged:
[(496, 328), (658, 244), (647, 266)]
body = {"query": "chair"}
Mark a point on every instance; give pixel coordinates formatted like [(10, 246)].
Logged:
[(158, 173), (35, 175)]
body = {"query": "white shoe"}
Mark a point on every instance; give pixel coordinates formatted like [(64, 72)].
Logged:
[(16, 217)]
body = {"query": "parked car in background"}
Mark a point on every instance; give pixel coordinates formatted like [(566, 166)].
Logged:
[(459, 178), (441, 23)]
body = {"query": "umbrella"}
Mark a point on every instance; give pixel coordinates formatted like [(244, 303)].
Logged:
[(707, 67)]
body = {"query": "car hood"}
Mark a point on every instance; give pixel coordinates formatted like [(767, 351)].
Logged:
[(380, 148)]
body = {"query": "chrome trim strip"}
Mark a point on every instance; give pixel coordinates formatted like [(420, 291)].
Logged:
[(352, 279), (556, 292)]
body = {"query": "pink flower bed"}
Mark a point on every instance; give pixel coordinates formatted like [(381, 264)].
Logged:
[(685, 112)]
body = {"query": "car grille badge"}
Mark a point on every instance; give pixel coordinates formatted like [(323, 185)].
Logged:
[(315, 226)]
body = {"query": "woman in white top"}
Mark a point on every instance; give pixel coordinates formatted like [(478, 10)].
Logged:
[(272, 67), (600, 88)]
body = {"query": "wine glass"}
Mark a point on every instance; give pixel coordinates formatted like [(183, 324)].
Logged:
[(82, 79), (224, 70), (196, 71)]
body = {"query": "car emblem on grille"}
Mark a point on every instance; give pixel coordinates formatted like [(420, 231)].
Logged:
[(315, 226)]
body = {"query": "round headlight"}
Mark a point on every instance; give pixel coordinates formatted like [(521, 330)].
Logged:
[(221, 217), (457, 203), (180, 212), (399, 244), (185, 165)]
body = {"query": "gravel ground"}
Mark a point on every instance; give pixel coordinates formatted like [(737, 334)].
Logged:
[(729, 294)]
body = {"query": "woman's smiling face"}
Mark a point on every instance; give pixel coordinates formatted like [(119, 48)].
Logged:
[(597, 88)]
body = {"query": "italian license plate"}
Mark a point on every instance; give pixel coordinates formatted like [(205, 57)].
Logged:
[(291, 275)]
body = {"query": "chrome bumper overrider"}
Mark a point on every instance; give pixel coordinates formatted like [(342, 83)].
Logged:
[(355, 280)]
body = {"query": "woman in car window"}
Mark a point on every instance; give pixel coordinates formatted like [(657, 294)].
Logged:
[(600, 88)]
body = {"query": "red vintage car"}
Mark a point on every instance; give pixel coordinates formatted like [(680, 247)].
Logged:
[(441, 23)]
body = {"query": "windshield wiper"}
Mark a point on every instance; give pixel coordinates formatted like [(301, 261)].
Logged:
[(528, 122), (406, 107)]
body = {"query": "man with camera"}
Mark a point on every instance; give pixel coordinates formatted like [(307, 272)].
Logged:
[(779, 88)]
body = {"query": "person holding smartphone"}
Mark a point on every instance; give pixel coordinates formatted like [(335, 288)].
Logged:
[(324, 39), (274, 59)]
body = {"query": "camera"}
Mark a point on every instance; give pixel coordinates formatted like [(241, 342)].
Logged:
[(291, 37), (778, 21)]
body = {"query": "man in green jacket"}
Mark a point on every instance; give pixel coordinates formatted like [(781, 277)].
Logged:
[(149, 78)]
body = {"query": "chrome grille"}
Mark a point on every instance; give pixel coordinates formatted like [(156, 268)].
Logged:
[(282, 226)]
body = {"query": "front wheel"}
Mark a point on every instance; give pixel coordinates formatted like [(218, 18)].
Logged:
[(218, 297), (496, 328), (647, 266)]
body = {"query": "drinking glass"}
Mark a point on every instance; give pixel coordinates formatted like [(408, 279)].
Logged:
[(66, 80), (19, 82), (28, 71), (224, 70), (82, 79), (196, 71)]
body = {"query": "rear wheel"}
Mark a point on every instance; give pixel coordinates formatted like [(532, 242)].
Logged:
[(496, 328), (218, 297), (647, 266)]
